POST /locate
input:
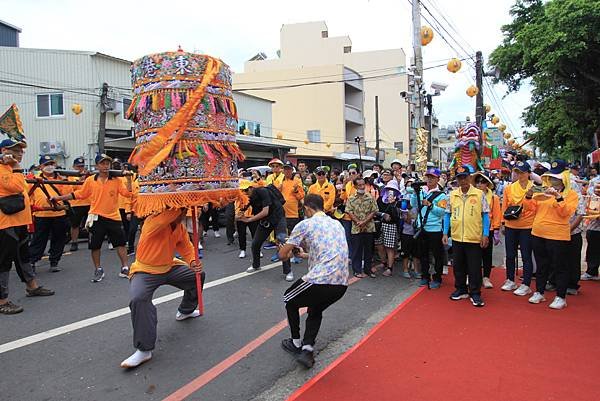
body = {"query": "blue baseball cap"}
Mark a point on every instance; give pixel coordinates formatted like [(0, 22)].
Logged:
[(79, 161), (9, 143), (558, 166), (100, 157), (464, 171), (45, 159), (522, 166), (433, 171)]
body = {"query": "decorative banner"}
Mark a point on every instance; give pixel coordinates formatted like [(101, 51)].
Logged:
[(421, 151), (10, 124), (185, 121)]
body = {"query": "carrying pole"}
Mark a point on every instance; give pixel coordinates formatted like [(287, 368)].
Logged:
[(196, 240)]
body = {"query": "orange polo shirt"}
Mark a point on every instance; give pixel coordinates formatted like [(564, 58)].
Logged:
[(13, 184), (39, 199), (552, 217), (158, 244), (104, 195), (73, 188), (525, 220), (293, 193), (327, 192)]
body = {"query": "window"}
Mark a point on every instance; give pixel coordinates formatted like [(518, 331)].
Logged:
[(125, 102), (399, 146), (347, 49), (248, 128), (324, 34), (50, 105), (314, 135)]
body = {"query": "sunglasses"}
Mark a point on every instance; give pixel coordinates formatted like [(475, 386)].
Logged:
[(353, 172), (320, 173)]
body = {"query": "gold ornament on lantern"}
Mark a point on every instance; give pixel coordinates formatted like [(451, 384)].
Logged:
[(502, 127), (426, 35), (472, 91), (77, 109), (487, 108), (454, 65), (495, 120), (507, 135)]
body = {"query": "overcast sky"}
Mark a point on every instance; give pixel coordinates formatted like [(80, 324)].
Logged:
[(236, 30)]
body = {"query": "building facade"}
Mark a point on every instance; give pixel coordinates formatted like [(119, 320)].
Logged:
[(325, 95), (9, 34)]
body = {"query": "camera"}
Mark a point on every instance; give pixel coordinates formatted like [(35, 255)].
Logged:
[(418, 184)]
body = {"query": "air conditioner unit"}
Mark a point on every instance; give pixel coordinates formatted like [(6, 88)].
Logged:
[(52, 148), (112, 106)]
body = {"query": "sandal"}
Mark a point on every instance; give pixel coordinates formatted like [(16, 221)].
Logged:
[(387, 272), (372, 275), (360, 275)]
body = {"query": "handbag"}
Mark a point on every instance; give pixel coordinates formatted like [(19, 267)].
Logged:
[(513, 212), (12, 204)]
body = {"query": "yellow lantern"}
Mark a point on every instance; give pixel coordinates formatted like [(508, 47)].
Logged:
[(487, 108), (511, 142), (426, 35), (502, 127), (328, 144), (279, 135), (454, 65), (246, 131), (472, 91), (77, 109), (306, 141), (507, 135), (495, 120)]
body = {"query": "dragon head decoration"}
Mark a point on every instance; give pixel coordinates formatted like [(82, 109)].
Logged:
[(467, 147)]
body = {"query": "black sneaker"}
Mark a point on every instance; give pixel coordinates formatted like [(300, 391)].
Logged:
[(289, 346), (39, 292), (458, 295), (98, 275), (54, 268), (306, 358), (10, 309), (477, 301), (74, 247)]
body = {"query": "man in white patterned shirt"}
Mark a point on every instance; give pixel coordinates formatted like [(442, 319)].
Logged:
[(326, 281), (592, 253)]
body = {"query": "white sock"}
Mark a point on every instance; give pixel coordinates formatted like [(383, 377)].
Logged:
[(297, 342), (307, 348), (125, 267)]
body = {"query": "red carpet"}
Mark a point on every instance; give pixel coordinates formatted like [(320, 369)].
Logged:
[(431, 348)]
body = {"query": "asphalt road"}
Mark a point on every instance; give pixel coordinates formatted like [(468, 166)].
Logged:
[(83, 363)]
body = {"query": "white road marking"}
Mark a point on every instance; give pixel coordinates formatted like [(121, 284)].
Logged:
[(25, 341)]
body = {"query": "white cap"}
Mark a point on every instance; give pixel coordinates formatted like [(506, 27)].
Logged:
[(367, 173)]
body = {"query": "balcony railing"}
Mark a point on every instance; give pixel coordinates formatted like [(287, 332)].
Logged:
[(353, 114)]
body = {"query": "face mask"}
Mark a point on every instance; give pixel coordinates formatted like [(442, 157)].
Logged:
[(410, 190), (49, 169), (360, 191), (339, 186)]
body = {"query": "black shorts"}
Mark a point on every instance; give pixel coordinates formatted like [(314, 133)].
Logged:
[(77, 214), (408, 245), (104, 227)]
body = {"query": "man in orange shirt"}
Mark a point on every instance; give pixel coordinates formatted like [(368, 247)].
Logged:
[(293, 193), (155, 265), (79, 207), (324, 189), (50, 219), (104, 217), (13, 226)]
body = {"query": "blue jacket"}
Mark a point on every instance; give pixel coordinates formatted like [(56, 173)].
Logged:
[(436, 216)]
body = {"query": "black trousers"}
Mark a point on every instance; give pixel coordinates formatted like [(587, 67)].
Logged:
[(14, 248), (124, 221), (467, 261), (551, 255), (362, 252), (261, 234), (431, 242), (317, 297), (134, 223), (592, 253), (54, 228), (486, 256), (574, 260), (230, 224), (242, 232), (210, 219)]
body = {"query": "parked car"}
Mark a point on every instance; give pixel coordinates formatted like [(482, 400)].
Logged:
[(264, 170)]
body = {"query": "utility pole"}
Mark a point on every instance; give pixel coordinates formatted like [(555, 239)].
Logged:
[(416, 19), (376, 129), (102, 123), (479, 111)]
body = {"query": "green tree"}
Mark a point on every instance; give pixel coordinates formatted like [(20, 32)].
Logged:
[(555, 46)]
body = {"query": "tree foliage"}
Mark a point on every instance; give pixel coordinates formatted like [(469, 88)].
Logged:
[(555, 46)]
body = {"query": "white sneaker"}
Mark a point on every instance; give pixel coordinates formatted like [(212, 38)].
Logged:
[(217, 234), (136, 359), (200, 247), (124, 272), (558, 303), (110, 246), (445, 271), (235, 234), (262, 255), (586, 277), (182, 316), (522, 290), (252, 269), (508, 286), (536, 298), (242, 254), (289, 276), (487, 283)]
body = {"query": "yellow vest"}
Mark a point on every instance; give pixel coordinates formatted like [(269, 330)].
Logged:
[(466, 221)]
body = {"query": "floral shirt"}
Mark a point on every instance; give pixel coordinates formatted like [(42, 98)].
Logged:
[(594, 224), (325, 241), (361, 207)]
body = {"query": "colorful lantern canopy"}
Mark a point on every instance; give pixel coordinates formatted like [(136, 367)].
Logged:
[(507, 135), (502, 127), (472, 91), (426, 35), (454, 65), (77, 109), (487, 108), (495, 120)]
